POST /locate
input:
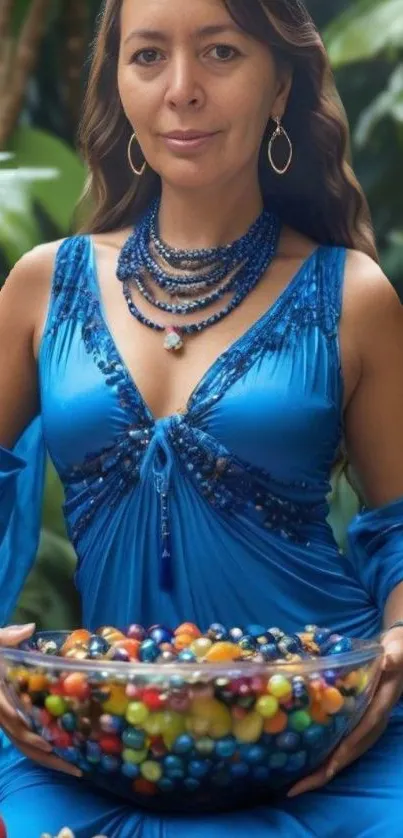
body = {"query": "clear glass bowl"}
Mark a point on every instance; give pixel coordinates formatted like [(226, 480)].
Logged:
[(188, 737)]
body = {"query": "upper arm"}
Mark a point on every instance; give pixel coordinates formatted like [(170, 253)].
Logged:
[(374, 416), (23, 302)]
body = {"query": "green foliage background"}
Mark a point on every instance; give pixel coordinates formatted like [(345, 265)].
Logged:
[(365, 43)]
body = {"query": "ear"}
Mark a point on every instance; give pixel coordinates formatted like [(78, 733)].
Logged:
[(284, 85)]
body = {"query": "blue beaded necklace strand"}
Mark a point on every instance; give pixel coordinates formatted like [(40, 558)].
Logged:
[(210, 272)]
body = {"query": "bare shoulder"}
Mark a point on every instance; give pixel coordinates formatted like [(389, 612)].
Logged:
[(25, 296), (371, 304), (35, 268), (372, 317)]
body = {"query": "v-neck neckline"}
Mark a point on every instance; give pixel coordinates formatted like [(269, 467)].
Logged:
[(235, 346)]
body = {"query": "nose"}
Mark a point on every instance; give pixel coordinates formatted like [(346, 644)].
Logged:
[(185, 89)]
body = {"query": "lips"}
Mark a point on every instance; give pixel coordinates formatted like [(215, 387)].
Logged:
[(187, 136)]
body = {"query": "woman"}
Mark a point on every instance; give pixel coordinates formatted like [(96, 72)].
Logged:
[(196, 480)]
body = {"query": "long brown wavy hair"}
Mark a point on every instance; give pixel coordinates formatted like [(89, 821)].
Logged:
[(319, 196)]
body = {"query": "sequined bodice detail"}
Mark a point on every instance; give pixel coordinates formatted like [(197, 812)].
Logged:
[(284, 493)]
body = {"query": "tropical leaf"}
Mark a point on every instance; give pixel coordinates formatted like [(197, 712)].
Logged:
[(364, 30), (35, 148), (389, 103), (19, 229), (49, 598)]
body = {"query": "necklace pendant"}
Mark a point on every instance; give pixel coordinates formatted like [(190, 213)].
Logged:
[(173, 340)]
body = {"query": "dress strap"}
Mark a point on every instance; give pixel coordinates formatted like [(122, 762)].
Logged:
[(330, 272), (69, 282)]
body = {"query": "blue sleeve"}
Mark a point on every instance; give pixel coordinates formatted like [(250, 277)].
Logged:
[(375, 541), (22, 477)]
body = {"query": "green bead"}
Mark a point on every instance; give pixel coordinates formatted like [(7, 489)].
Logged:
[(55, 705), (205, 746), (134, 757), (299, 721), (137, 713), (151, 771)]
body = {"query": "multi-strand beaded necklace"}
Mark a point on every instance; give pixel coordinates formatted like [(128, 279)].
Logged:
[(196, 279)]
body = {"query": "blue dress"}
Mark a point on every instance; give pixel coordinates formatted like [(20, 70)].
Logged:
[(215, 513)]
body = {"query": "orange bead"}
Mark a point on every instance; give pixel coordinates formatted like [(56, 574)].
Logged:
[(188, 628), (277, 724), (37, 683), (75, 685), (143, 786), (332, 700), (318, 714), (182, 641), (351, 681), (76, 638), (223, 651), (315, 690)]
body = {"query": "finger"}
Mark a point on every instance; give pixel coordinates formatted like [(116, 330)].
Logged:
[(25, 738), (50, 761), (384, 700), (18, 728), (341, 760), (361, 739), (12, 635), (335, 764)]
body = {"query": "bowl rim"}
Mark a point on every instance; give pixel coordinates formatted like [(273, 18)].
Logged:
[(364, 651)]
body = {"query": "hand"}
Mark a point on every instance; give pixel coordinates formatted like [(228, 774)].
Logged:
[(373, 723), (16, 728)]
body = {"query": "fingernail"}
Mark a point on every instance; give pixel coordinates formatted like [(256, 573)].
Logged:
[(331, 771), (22, 627)]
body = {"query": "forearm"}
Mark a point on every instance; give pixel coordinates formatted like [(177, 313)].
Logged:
[(393, 611)]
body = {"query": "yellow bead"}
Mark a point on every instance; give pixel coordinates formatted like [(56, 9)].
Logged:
[(201, 646), (151, 770), (267, 706), (154, 724), (172, 725), (211, 717), (134, 757), (248, 729), (117, 702), (279, 686), (222, 652)]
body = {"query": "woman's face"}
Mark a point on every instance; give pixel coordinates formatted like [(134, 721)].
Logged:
[(197, 90)]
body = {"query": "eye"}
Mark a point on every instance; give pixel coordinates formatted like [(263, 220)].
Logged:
[(146, 57), (224, 53)]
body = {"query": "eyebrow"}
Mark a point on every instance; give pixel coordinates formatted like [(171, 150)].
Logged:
[(203, 32)]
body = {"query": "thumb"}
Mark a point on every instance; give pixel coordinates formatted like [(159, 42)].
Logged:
[(11, 633)]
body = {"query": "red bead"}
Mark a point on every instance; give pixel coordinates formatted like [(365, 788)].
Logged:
[(111, 745), (57, 688), (157, 746), (152, 699), (142, 786), (45, 718), (60, 738)]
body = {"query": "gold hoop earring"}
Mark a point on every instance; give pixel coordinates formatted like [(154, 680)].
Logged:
[(279, 132), (138, 172)]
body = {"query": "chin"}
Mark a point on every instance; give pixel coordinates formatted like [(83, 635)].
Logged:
[(191, 177)]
